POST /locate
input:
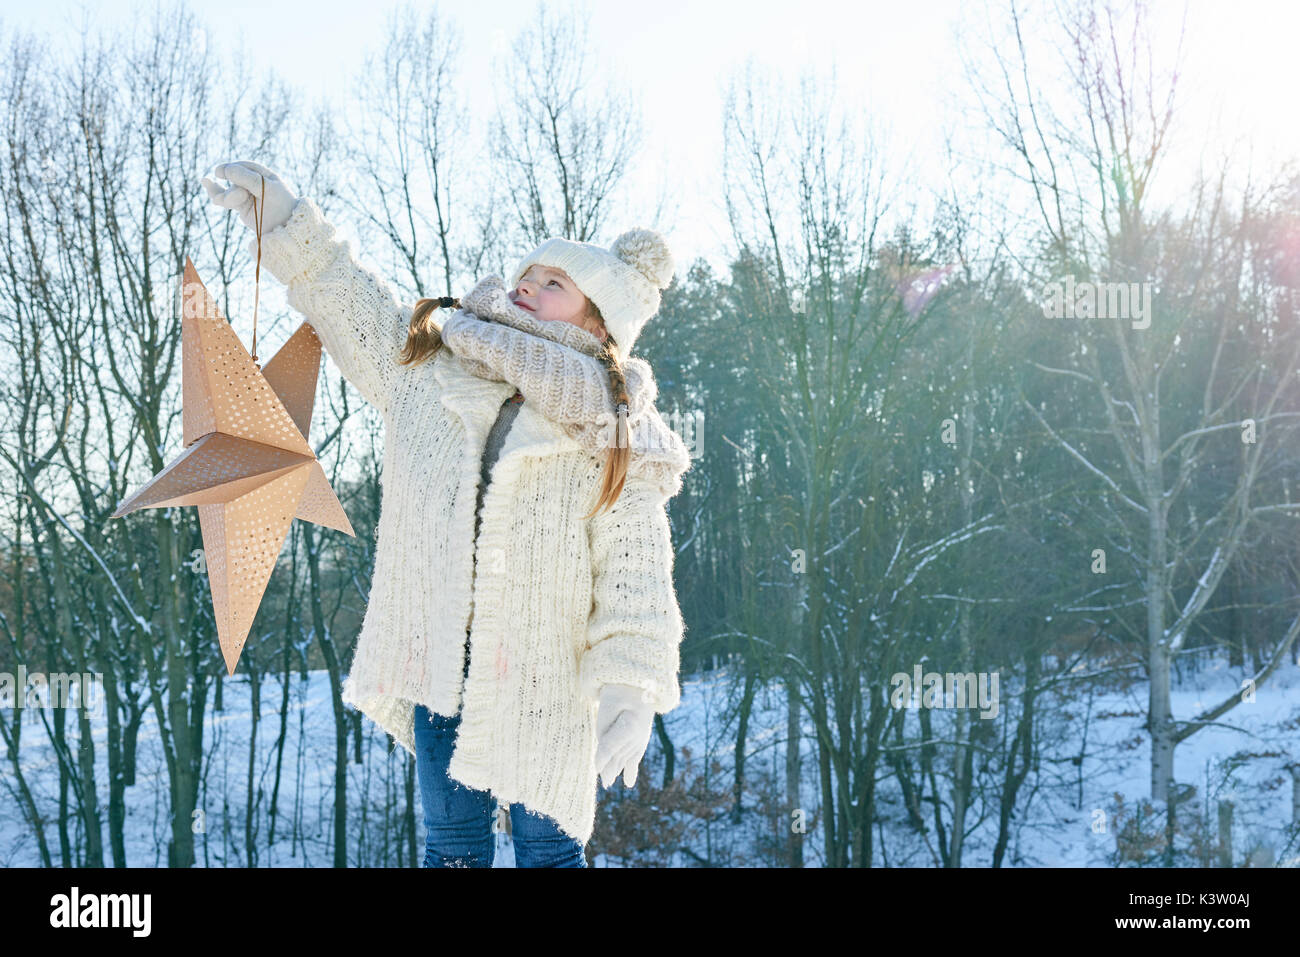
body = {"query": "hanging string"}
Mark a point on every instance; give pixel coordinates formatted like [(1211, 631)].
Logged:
[(257, 276)]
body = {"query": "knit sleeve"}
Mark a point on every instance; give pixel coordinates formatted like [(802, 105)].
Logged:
[(635, 627), (358, 316)]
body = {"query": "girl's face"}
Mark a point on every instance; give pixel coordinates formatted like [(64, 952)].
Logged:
[(550, 295)]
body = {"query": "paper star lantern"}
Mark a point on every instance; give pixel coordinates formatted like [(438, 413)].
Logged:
[(246, 464)]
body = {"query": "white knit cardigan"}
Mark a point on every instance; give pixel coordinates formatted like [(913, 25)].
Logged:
[(561, 605)]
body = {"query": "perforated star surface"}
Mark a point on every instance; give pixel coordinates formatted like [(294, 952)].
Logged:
[(247, 464)]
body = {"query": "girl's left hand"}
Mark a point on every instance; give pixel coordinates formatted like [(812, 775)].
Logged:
[(624, 720)]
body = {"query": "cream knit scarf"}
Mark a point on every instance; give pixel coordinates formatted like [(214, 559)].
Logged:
[(554, 365)]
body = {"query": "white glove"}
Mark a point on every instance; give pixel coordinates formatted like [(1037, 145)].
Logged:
[(247, 178), (624, 720)]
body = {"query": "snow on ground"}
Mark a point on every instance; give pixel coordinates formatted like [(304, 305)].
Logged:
[(1065, 815)]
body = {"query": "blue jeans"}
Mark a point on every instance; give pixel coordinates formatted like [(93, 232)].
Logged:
[(458, 819)]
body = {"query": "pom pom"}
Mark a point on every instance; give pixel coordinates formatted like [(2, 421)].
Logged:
[(647, 252)]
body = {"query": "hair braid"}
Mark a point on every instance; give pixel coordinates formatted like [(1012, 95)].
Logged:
[(616, 460)]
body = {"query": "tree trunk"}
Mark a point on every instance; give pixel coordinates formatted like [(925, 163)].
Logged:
[(1225, 834), (793, 736), (961, 755), (742, 728), (341, 723)]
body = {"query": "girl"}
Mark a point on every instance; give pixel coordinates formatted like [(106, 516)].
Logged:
[(522, 629)]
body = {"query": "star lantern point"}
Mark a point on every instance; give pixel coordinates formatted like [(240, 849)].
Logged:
[(247, 465)]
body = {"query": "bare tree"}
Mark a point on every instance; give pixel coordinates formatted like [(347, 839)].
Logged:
[(406, 145), (560, 154), (1089, 164), (806, 196)]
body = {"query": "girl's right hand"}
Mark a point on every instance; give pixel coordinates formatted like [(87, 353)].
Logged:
[(248, 178)]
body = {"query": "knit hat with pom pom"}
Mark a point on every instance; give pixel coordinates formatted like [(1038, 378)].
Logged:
[(623, 281)]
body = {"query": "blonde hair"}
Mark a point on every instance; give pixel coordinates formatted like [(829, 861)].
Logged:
[(424, 340), (620, 452)]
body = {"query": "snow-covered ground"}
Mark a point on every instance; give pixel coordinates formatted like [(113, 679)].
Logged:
[(1065, 814)]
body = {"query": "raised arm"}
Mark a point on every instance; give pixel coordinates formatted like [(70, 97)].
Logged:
[(360, 318)]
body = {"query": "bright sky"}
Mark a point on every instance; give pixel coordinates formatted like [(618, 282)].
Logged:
[(895, 59)]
